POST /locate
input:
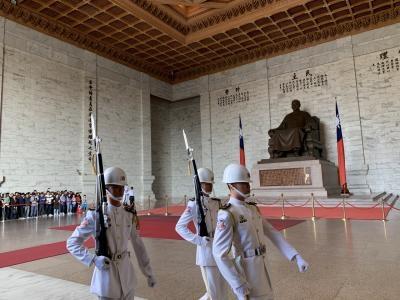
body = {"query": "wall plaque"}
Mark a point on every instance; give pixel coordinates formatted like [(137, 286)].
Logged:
[(387, 62), (231, 98), (303, 82), (90, 110), (286, 177)]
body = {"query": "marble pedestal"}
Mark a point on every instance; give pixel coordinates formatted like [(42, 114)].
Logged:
[(293, 177)]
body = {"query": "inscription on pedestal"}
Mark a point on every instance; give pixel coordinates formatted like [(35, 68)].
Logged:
[(285, 177)]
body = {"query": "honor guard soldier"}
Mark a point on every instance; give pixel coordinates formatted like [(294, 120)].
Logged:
[(215, 284), (113, 276), (239, 245)]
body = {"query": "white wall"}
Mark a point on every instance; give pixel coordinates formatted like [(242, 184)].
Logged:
[(44, 133), (169, 158)]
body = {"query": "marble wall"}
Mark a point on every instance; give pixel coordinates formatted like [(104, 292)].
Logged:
[(44, 127), (169, 159)]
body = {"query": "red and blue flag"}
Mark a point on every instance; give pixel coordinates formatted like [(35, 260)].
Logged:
[(341, 156)]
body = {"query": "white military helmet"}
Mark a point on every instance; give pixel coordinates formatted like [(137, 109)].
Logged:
[(206, 175), (115, 176), (236, 173)]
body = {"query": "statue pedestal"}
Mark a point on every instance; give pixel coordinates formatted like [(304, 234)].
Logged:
[(295, 176)]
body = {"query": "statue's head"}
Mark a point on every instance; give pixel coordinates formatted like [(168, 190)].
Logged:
[(296, 105)]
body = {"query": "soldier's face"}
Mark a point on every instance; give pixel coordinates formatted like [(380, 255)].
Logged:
[(243, 187), (116, 190), (207, 187)]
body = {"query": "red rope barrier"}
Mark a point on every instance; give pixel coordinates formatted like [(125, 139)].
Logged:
[(271, 203), (392, 206), (327, 206), (302, 205), (360, 207)]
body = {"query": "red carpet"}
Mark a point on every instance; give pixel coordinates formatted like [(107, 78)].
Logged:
[(21, 256), (355, 213), (161, 227), (151, 227)]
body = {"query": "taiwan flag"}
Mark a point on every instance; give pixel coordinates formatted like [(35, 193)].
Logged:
[(341, 157), (241, 144)]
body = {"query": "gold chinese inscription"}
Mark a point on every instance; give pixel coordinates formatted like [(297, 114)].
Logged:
[(285, 177)]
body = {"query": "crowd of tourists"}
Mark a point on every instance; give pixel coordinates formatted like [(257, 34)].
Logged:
[(41, 204)]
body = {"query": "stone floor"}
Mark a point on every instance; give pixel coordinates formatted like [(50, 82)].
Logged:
[(349, 260)]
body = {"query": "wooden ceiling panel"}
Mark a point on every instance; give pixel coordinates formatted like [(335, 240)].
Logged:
[(100, 3), (176, 40)]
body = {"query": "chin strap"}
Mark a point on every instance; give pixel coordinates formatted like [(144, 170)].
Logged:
[(113, 197), (240, 193), (205, 193)]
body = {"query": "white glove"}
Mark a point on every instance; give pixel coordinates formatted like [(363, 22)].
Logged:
[(151, 282), (102, 262), (301, 264), (243, 290), (205, 241)]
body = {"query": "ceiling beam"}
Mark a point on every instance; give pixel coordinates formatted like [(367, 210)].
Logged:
[(267, 11), (205, 4), (149, 18)]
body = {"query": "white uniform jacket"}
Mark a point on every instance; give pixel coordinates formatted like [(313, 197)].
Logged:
[(120, 278), (204, 256), (239, 246)]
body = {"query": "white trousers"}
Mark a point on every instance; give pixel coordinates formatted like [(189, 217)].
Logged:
[(269, 297), (129, 296), (215, 284)]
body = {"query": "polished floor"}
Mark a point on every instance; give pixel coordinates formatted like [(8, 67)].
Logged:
[(348, 260)]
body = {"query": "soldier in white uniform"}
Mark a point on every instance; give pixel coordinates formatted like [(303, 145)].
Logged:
[(114, 277), (215, 284), (239, 245)]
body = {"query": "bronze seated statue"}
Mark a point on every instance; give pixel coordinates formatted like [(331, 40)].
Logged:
[(297, 135)]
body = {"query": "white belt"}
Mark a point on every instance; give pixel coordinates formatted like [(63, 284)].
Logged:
[(255, 252)]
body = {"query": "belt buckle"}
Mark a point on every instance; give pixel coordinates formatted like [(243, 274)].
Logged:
[(252, 252)]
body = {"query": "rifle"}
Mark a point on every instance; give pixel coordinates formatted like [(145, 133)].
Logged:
[(201, 219), (101, 198)]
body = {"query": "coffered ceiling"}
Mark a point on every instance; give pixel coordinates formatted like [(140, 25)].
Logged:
[(177, 40)]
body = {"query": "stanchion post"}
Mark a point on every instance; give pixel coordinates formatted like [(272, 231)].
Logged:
[(283, 217), (383, 211), (149, 202), (344, 209), (166, 205), (313, 206), (185, 199)]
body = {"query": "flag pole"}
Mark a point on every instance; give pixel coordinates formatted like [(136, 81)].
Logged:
[(341, 155)]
